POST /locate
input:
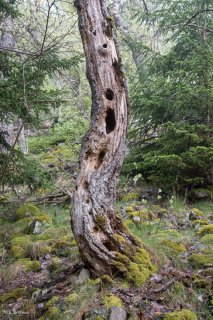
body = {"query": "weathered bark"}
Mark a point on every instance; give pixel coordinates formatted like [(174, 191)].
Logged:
[(100, 234)]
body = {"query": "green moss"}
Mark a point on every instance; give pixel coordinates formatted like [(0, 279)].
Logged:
[(56, 264), (99, 318), (43, 217), (27, 210), (37, 249), (207, 239), (12, 295), (112, 301), (206, 230), (200, 260), (52, 301), (29, 265), (72, 298), (21, 225), (21, 241), (52, 313), (107, 279), (131, 196), (19, 246), (199, 222), (129, 223), (119, 238), (101, 220), (183, 314), (174, 246), (129, 209), (198, 213), (17, 251), (137, 274)]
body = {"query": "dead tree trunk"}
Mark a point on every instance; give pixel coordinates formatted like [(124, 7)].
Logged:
[(105, 243)]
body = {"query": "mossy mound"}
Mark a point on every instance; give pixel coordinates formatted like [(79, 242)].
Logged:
[(12, 295), (206, 230), (200, 222), (29, 265), (200, 260), (27, 210), (138, 269), (174, 246), (183, 314), (112, 301), (207, 239), (72, 298), (129, 209)]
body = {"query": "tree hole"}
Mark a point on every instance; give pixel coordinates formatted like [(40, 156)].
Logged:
[(105, 45), (101, 158), (109, 94), (108, 245), (110, 121), (86, 185), (94, 33), (95, 229)]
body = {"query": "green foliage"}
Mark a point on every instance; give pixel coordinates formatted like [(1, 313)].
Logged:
[(171, 136)]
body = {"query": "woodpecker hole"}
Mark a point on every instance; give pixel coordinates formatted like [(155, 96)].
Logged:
[(86, 185), (105, 45), (95, 229), (110, 121), (109, 94)]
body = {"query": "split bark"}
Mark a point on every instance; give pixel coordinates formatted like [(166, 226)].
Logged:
[(94, 222)]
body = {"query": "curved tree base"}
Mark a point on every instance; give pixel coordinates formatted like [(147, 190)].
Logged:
[(105, 244)]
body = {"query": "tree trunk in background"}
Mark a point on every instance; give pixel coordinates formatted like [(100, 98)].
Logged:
[(100, 234), (8, 129)]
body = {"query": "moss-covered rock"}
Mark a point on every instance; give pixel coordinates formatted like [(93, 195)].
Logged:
[(12, 295), (174, 246), (112, 301), (183, 314), (206, 230), (27, 210), (200, 260)]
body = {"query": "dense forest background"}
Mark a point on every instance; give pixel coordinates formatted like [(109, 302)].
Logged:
[(45, 105)]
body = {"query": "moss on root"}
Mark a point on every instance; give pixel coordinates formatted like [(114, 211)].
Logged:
[(183, 314)]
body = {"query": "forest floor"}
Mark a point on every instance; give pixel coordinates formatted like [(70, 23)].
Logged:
[(42, 276)]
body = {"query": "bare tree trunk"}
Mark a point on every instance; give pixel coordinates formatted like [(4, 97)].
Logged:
[(105, 243)]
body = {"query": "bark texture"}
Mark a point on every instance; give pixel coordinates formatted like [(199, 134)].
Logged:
[(104, 241)]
